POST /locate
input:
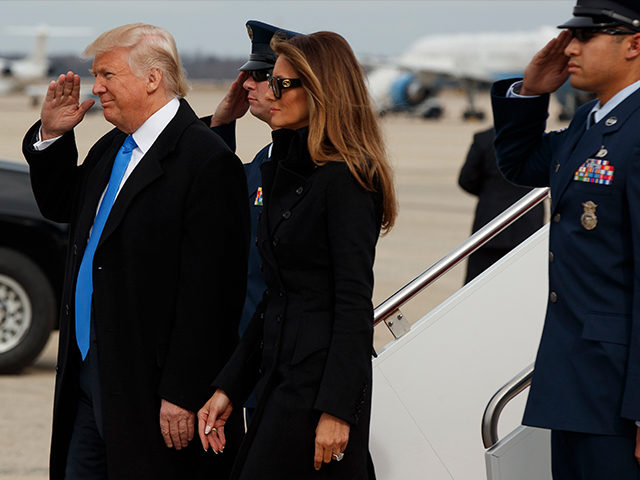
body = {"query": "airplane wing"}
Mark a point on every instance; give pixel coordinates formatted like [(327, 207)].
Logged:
[(469, 60)]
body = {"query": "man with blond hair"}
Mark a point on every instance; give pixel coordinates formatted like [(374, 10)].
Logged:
[(156, 265)]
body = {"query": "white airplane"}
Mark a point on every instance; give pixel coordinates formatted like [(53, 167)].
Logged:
[(469, 60), (30, 73)]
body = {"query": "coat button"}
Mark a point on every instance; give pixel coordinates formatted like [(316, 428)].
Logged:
[(551, 257), (278, 319), (553, 297), (66, 309), (286, 214), (556, 217), (99, 267), (275, 242), (299, 190), (281, 293)]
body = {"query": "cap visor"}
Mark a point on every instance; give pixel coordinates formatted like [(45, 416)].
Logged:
[(255, 65), (583, 22)]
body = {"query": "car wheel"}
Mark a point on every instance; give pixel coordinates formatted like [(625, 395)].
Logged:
[(27, 310)]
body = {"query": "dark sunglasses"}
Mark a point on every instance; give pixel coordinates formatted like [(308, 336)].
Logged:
[(261, 75), (278, 84), (583, 35)]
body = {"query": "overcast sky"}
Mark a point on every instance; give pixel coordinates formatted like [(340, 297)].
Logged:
[(372, 27)]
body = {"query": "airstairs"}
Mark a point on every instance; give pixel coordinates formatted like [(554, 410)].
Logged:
[(450, 389)]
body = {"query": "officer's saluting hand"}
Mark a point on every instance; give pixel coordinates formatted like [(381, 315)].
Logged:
[(548, 69)]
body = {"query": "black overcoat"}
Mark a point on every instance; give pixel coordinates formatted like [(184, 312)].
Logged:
[(480, 176), (309, 345), (169, 284)]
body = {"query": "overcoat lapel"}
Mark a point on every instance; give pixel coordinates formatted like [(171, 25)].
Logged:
[(96, 184), (291, 187), (149, 168), (268, 171), (290, 181), (285, 182)]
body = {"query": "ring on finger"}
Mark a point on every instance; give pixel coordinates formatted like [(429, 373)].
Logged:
[(338, 456)]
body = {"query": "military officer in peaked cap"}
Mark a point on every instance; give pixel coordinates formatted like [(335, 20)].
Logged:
[(586, 383), (248, 93)]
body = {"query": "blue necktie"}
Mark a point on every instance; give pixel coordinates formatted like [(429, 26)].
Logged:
[(84, 282)]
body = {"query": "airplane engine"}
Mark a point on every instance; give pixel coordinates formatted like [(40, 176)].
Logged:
[(394, 90), (407, 91)]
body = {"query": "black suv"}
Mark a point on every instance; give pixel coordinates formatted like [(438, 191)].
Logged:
[(32, 255)]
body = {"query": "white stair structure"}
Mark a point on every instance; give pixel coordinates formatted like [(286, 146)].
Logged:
[(431, 385)]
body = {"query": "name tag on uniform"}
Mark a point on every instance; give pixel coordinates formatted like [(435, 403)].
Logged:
[(258, 197), (595, 170)]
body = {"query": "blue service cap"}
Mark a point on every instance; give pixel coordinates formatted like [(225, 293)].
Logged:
[(605, 13), (262, 57)]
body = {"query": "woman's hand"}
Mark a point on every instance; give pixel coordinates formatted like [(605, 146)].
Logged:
[(332, 436), (211, 420)]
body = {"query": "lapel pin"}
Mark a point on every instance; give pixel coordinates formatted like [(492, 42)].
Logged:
[(602, 152), (611, 121)]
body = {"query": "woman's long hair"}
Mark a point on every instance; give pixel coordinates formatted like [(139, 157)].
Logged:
[(342, 125)]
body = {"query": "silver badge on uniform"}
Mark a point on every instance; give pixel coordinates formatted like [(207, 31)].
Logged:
[(602, 152), (611, 121), (589, 219)]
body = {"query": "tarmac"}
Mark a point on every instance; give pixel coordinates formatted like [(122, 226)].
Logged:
[(435, 217)]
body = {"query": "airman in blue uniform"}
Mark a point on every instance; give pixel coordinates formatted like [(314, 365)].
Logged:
[(586, 384), (248, 93)]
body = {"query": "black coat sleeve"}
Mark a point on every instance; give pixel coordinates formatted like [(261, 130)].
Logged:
[(227, 132), (55, 176), (353, 218), (241, 373), (215, 249)]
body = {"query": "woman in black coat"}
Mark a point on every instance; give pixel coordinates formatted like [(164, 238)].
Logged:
[(328, 192)]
